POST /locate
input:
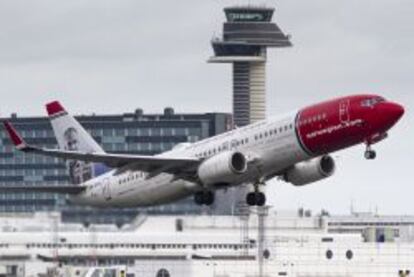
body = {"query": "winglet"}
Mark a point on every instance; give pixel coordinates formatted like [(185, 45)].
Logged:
[(15, 136), (54, 108)]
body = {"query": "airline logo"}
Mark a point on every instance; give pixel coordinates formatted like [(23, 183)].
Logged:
[(334, 128)]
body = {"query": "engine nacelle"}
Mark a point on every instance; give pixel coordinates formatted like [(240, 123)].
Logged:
[(310, 171), (223, 168)]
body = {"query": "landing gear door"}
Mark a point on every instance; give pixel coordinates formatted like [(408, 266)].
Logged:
[(344, 116)]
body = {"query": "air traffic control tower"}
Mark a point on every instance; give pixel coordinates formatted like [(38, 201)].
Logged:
[(247, 34)]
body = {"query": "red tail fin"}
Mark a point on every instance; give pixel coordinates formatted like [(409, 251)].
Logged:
[(54, 108)]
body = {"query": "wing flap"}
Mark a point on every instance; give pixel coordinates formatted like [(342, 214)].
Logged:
[(114, 160)]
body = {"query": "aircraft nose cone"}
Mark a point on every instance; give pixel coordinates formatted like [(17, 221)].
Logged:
[(391, 112), (395, 111)]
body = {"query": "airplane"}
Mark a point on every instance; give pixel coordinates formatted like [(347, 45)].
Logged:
[(295, 147)]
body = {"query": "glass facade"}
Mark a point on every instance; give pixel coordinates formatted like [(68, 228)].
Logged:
[(134, 133)]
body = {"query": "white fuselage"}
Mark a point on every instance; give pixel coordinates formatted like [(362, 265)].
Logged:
[(272, 152)]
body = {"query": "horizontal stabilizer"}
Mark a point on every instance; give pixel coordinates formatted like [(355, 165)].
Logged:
[(15, 137)]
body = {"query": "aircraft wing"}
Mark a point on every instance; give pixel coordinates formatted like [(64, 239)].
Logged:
[(67, 189), (132, 162)]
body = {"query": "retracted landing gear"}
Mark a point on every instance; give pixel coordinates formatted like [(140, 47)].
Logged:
[(369, 153), (204, 198), (256, 198)]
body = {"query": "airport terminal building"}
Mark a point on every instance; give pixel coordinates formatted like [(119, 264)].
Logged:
[(135, 133)]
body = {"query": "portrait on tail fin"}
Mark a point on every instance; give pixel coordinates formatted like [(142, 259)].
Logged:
[(79, 171)]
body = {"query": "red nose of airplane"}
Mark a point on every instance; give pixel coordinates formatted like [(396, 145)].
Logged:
[(390, 112)]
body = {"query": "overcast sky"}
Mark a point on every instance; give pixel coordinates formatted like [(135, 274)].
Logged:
[(114, 56)]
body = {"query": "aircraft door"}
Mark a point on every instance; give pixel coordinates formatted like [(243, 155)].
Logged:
[(225, 146), (344, 116), (233, 144), (106, 191)]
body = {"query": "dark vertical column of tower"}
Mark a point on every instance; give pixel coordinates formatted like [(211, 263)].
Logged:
[(241, 93), (247, 34)]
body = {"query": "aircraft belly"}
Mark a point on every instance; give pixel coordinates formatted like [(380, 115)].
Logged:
[(157, 190)]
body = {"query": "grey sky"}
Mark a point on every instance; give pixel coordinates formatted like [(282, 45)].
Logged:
[(114, 56)]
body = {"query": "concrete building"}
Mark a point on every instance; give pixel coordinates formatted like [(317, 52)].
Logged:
[(135, 132), (271, 244)]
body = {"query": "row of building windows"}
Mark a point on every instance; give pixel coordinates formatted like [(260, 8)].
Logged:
[(27, 173), (108, 146), (134, 143), (390, 223), (28, 159), (135, 245), (110, 132)]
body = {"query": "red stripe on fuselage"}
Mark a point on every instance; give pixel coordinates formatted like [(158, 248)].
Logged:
[(333, 125)]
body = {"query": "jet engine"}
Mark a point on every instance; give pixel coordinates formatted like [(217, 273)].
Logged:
[(223, 168), (307, 172)]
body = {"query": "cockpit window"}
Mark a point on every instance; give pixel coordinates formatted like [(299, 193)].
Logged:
[(371, 102)]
